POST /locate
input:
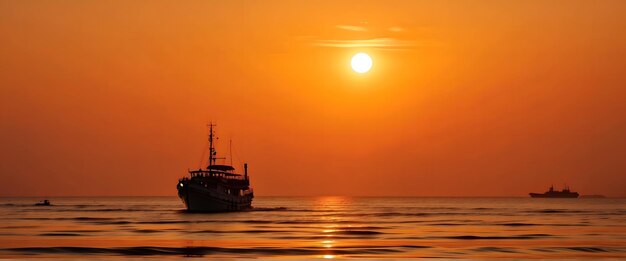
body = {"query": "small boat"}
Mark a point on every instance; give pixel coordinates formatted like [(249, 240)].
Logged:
[(551, 193), (218, 188), (44, 202)]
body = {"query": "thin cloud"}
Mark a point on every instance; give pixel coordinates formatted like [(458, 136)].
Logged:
[(365, 43), (352, 28), (395, 29)]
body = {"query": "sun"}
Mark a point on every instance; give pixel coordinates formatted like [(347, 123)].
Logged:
[(361, 63)]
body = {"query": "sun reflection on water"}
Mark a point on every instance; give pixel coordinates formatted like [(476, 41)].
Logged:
[(331, 206)]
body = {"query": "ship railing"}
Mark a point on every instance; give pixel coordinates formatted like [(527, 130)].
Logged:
[(225, 175)]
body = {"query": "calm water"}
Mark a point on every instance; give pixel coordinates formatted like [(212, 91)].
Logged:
[(317, 227)]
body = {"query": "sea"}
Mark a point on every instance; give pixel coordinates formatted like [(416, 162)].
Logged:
[(316, 227)]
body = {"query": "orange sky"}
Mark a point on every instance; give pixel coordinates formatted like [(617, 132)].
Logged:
[(465, 98)]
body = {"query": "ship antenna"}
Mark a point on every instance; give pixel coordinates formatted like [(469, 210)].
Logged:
[(211, 149)]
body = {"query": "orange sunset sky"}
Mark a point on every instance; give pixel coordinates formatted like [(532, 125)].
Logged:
[(465, 98)]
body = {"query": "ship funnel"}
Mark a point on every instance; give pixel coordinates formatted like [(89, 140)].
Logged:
[(245, 170)]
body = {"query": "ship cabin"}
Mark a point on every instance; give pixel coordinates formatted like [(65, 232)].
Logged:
[(219, 171)]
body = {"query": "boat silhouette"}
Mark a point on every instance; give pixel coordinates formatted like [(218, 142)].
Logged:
[(44, 202), (217, 188), (551, 193)]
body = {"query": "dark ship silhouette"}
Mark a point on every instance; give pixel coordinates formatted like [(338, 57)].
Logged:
[(551, 193), (217, 188), (44, 202)]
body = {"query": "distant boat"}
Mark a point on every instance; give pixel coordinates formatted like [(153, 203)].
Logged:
[(551, 193), (217, 188), (44, 202)]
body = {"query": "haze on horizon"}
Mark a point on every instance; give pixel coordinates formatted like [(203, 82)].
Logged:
[(480, 98)]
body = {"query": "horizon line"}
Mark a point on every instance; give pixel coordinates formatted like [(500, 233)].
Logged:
[(294, 196)]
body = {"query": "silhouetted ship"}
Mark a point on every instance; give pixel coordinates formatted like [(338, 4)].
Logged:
[(217, 188), (44, 202), (565, 193)]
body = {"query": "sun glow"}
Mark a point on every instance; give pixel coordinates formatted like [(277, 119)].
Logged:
[(361, 63)]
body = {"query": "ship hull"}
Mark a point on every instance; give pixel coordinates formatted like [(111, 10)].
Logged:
[(568, 195), (200, 199)]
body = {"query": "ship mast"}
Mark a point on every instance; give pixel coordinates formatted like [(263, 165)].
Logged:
[(211, 149)]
